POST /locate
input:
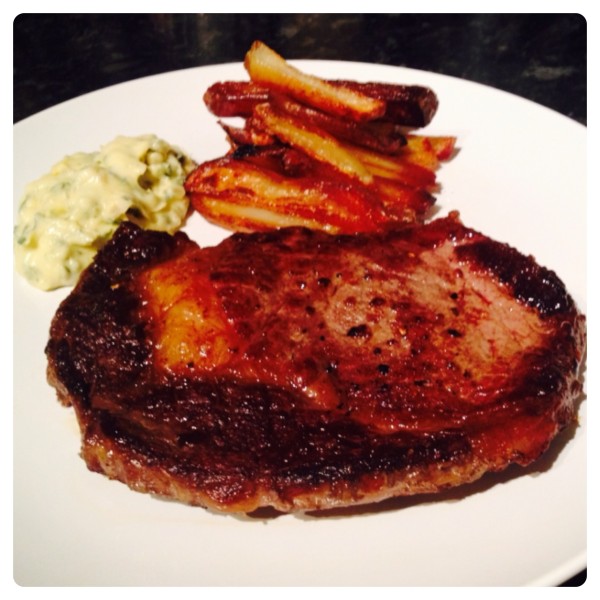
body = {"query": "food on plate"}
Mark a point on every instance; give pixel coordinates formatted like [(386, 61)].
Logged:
[(268, 68), (351, 144), (316, 144), (256, 192), (68, 214), (406, 105), (301, 370)]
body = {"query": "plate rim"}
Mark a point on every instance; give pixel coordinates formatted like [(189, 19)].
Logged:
[(579, 561)]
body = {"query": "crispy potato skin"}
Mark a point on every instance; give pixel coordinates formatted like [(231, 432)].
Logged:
[(406, 105), (339, 156), (268, 68)]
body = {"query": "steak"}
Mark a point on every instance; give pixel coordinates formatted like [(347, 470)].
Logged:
[(301, 370)]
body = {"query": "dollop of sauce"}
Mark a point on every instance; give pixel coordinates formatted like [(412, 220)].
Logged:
[(67, 215)]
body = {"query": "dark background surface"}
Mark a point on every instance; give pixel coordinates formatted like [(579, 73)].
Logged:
[(541, 57)]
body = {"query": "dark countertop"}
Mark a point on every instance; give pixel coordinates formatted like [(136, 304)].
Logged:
[(541, 57)]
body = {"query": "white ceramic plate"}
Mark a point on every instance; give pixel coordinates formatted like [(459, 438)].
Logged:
[(519, 177)]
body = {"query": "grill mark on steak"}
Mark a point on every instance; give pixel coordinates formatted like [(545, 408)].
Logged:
[(300, 370)]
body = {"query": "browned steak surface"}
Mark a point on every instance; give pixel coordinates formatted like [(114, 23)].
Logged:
[(301, 370)]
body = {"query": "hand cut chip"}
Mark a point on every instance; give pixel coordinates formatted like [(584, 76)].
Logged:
[(409, 106), (244, 196), (315, 143), (334, 155), (268, 68)]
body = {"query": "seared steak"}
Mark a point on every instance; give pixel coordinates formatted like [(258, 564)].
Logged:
[(301, 370)]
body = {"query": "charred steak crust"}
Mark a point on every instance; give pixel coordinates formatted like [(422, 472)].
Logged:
[(300, 370)]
